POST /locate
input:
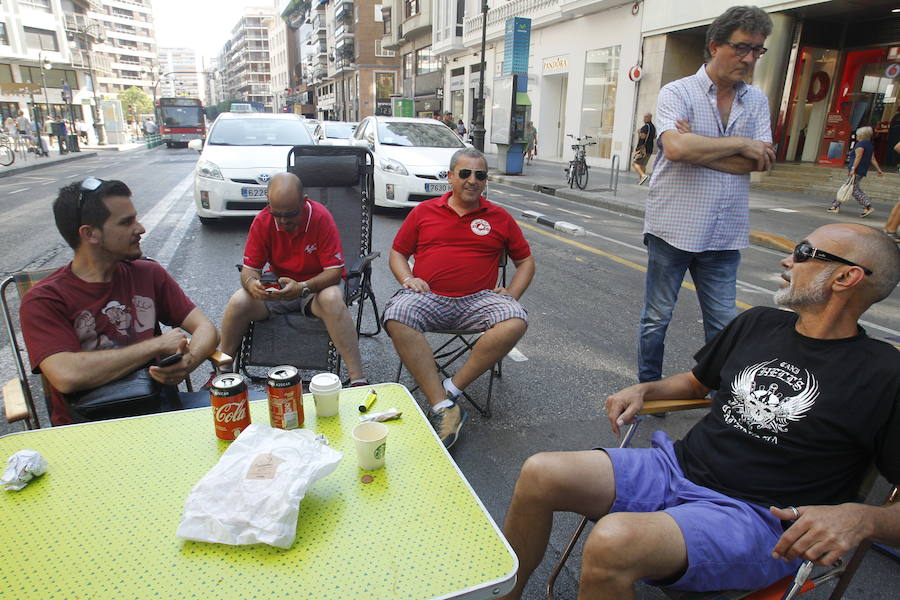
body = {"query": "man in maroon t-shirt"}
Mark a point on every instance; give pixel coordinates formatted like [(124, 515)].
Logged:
[(93, 321), (457, 241), (299, 241)]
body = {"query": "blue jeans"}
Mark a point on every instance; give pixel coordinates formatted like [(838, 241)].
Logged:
[(715, 276)]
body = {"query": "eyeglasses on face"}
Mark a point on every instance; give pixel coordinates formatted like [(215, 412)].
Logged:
[(288, 214), (743, 48), (87, 187), (466, 173), (804, 251)]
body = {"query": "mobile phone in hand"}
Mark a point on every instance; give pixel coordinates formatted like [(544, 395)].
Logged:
[(270, 281), (169, 360)]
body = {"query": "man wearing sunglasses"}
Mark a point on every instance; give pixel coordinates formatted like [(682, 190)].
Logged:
[(714, 130), (93, 321), (297, 240), (806, 403), (457, 241)]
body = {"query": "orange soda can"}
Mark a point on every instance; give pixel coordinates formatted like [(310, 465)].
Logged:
[(231, 412), (285, 397)]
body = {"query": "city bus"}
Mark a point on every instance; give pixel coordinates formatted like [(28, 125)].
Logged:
[(180, 120)]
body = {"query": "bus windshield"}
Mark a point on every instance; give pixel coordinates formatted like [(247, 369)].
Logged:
[(181, 116)]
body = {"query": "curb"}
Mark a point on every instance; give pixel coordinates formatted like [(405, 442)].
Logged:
[(758, 238), (563, 226), (42, 165)]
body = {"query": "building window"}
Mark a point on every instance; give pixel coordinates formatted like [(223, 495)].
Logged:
[(385, 84), (386, 19), (41, 39), (411, 7), (4, 39), (407, 66), (379, 51), (41, 5), (6, 74), (426, 61), (54, 78), (601, 76)]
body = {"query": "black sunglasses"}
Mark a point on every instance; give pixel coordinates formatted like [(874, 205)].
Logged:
[(466, 173), (285, 215), (804, 251), (743, 48), (89, 186)]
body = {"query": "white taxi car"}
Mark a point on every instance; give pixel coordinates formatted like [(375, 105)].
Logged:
[(242, 153), (412, 157)]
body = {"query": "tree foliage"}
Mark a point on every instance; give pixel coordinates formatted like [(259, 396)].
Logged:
[(137, 98)]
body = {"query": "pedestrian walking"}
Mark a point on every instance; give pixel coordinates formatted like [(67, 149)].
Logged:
[(643, 149), (715, 129), (893, 222), (461, 130), (861, 157), (530, 137)]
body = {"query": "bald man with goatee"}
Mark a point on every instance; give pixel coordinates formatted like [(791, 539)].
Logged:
[(295, 239)]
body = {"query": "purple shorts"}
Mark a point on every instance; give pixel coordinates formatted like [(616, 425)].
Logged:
[(729, 542)]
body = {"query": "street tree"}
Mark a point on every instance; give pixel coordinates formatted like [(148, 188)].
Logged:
[(138, 100)]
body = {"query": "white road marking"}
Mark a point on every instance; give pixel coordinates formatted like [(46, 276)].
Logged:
[(176, 236), (784, 210), (572, 212), (156, 214), (17, 191), (516, 355)]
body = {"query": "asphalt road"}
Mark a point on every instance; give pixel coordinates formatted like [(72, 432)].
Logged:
[(583, 310)]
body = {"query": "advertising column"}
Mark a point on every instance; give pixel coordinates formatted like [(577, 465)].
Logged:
[(510, 109)]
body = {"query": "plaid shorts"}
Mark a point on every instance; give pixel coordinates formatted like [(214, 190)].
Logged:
[(431, 312)]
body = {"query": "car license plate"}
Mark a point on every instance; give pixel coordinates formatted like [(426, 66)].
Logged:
[(250, 192), (437, 188)]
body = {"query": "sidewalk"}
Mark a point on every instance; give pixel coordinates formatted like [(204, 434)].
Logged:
[(32, 161), (776, 218)]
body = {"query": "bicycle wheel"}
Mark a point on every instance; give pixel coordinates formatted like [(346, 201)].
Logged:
[(7, 156), (570, 174), (581, 176)]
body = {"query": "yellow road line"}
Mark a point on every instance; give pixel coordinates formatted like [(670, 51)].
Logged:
[(612, 257)]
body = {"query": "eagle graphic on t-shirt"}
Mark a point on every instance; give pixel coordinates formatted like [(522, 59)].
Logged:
[(769, 407)]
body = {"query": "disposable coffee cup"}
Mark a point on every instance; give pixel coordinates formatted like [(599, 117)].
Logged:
[(326, 391), (371, 440)]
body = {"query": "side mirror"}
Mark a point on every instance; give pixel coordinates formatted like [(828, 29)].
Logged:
[(196, 145)]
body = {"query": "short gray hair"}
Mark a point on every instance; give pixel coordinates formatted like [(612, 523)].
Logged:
[(880, 253), (864, 133), (751, 19), (470, 152)]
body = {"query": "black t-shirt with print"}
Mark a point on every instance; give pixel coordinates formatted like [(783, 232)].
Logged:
[(797, 420)]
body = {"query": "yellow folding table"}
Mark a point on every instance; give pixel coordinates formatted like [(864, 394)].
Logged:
[(100, 524)]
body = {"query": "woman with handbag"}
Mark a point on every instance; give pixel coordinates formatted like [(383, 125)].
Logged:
[(861, 156), (530, 138), (641, 155)]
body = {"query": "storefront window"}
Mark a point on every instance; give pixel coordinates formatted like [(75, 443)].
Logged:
[(598, 112), (385, 84)]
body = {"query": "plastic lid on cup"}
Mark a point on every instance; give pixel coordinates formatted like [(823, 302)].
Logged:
[(323, 383)]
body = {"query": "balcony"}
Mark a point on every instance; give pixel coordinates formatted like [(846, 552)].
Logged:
[(343, 10)]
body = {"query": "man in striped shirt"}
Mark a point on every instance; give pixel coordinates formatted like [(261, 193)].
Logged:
[(714, 130)]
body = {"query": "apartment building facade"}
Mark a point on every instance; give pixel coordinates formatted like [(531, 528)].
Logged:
[(244, 60), (184, 77)]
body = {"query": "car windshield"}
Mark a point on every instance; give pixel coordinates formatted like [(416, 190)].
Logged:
[(339, 130), (423, 135), (259, 132)]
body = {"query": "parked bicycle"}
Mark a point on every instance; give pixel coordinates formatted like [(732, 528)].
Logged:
[(577, 171), (7, 150)]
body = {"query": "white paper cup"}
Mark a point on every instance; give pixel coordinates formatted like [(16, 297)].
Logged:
[(371, 442), (326, 391)]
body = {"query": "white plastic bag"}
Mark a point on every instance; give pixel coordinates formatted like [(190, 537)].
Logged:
[(845, 192), (253, 493)]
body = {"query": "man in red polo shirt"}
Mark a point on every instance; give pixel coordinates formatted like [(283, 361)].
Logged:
[(298, 240), (457, 241)]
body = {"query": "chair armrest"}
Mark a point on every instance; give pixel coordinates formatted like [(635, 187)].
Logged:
[(14, 401), (361, 264), (219, 358), (652, 407)]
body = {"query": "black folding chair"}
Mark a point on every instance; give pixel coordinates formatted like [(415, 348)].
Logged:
[(461, 342), (342, 179)]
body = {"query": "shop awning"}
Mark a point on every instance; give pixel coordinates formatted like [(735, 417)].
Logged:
[(522, 99)]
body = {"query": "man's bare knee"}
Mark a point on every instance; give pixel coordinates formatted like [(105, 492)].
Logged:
[(329, 301), (567, 481)]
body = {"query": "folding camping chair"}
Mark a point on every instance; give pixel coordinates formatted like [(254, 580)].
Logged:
[(461, 342), (342, 179), (18, 400), (784, 589)]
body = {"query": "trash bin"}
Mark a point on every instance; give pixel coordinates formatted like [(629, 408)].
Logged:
[(72, 143)]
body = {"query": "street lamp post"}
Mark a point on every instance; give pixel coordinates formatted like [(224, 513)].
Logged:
[(46, 65), (478, 131)]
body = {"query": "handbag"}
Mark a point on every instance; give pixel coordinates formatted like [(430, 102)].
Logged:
[(134, 394), (845, 191), (638, 154)]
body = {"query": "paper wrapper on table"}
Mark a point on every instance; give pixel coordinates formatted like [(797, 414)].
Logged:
[(253, 493), (22, 467)]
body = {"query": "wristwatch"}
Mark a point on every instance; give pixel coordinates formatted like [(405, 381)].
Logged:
[(305, 291)]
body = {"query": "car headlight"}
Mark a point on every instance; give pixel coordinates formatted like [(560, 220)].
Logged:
[(208, 170), (392, 166)]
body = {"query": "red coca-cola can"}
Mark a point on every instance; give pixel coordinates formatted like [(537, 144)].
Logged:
[(285, 397), (231, 412)]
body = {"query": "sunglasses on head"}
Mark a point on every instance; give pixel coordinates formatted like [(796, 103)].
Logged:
[(743, 49), (466, 173), (804, 251), (89, 186)]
